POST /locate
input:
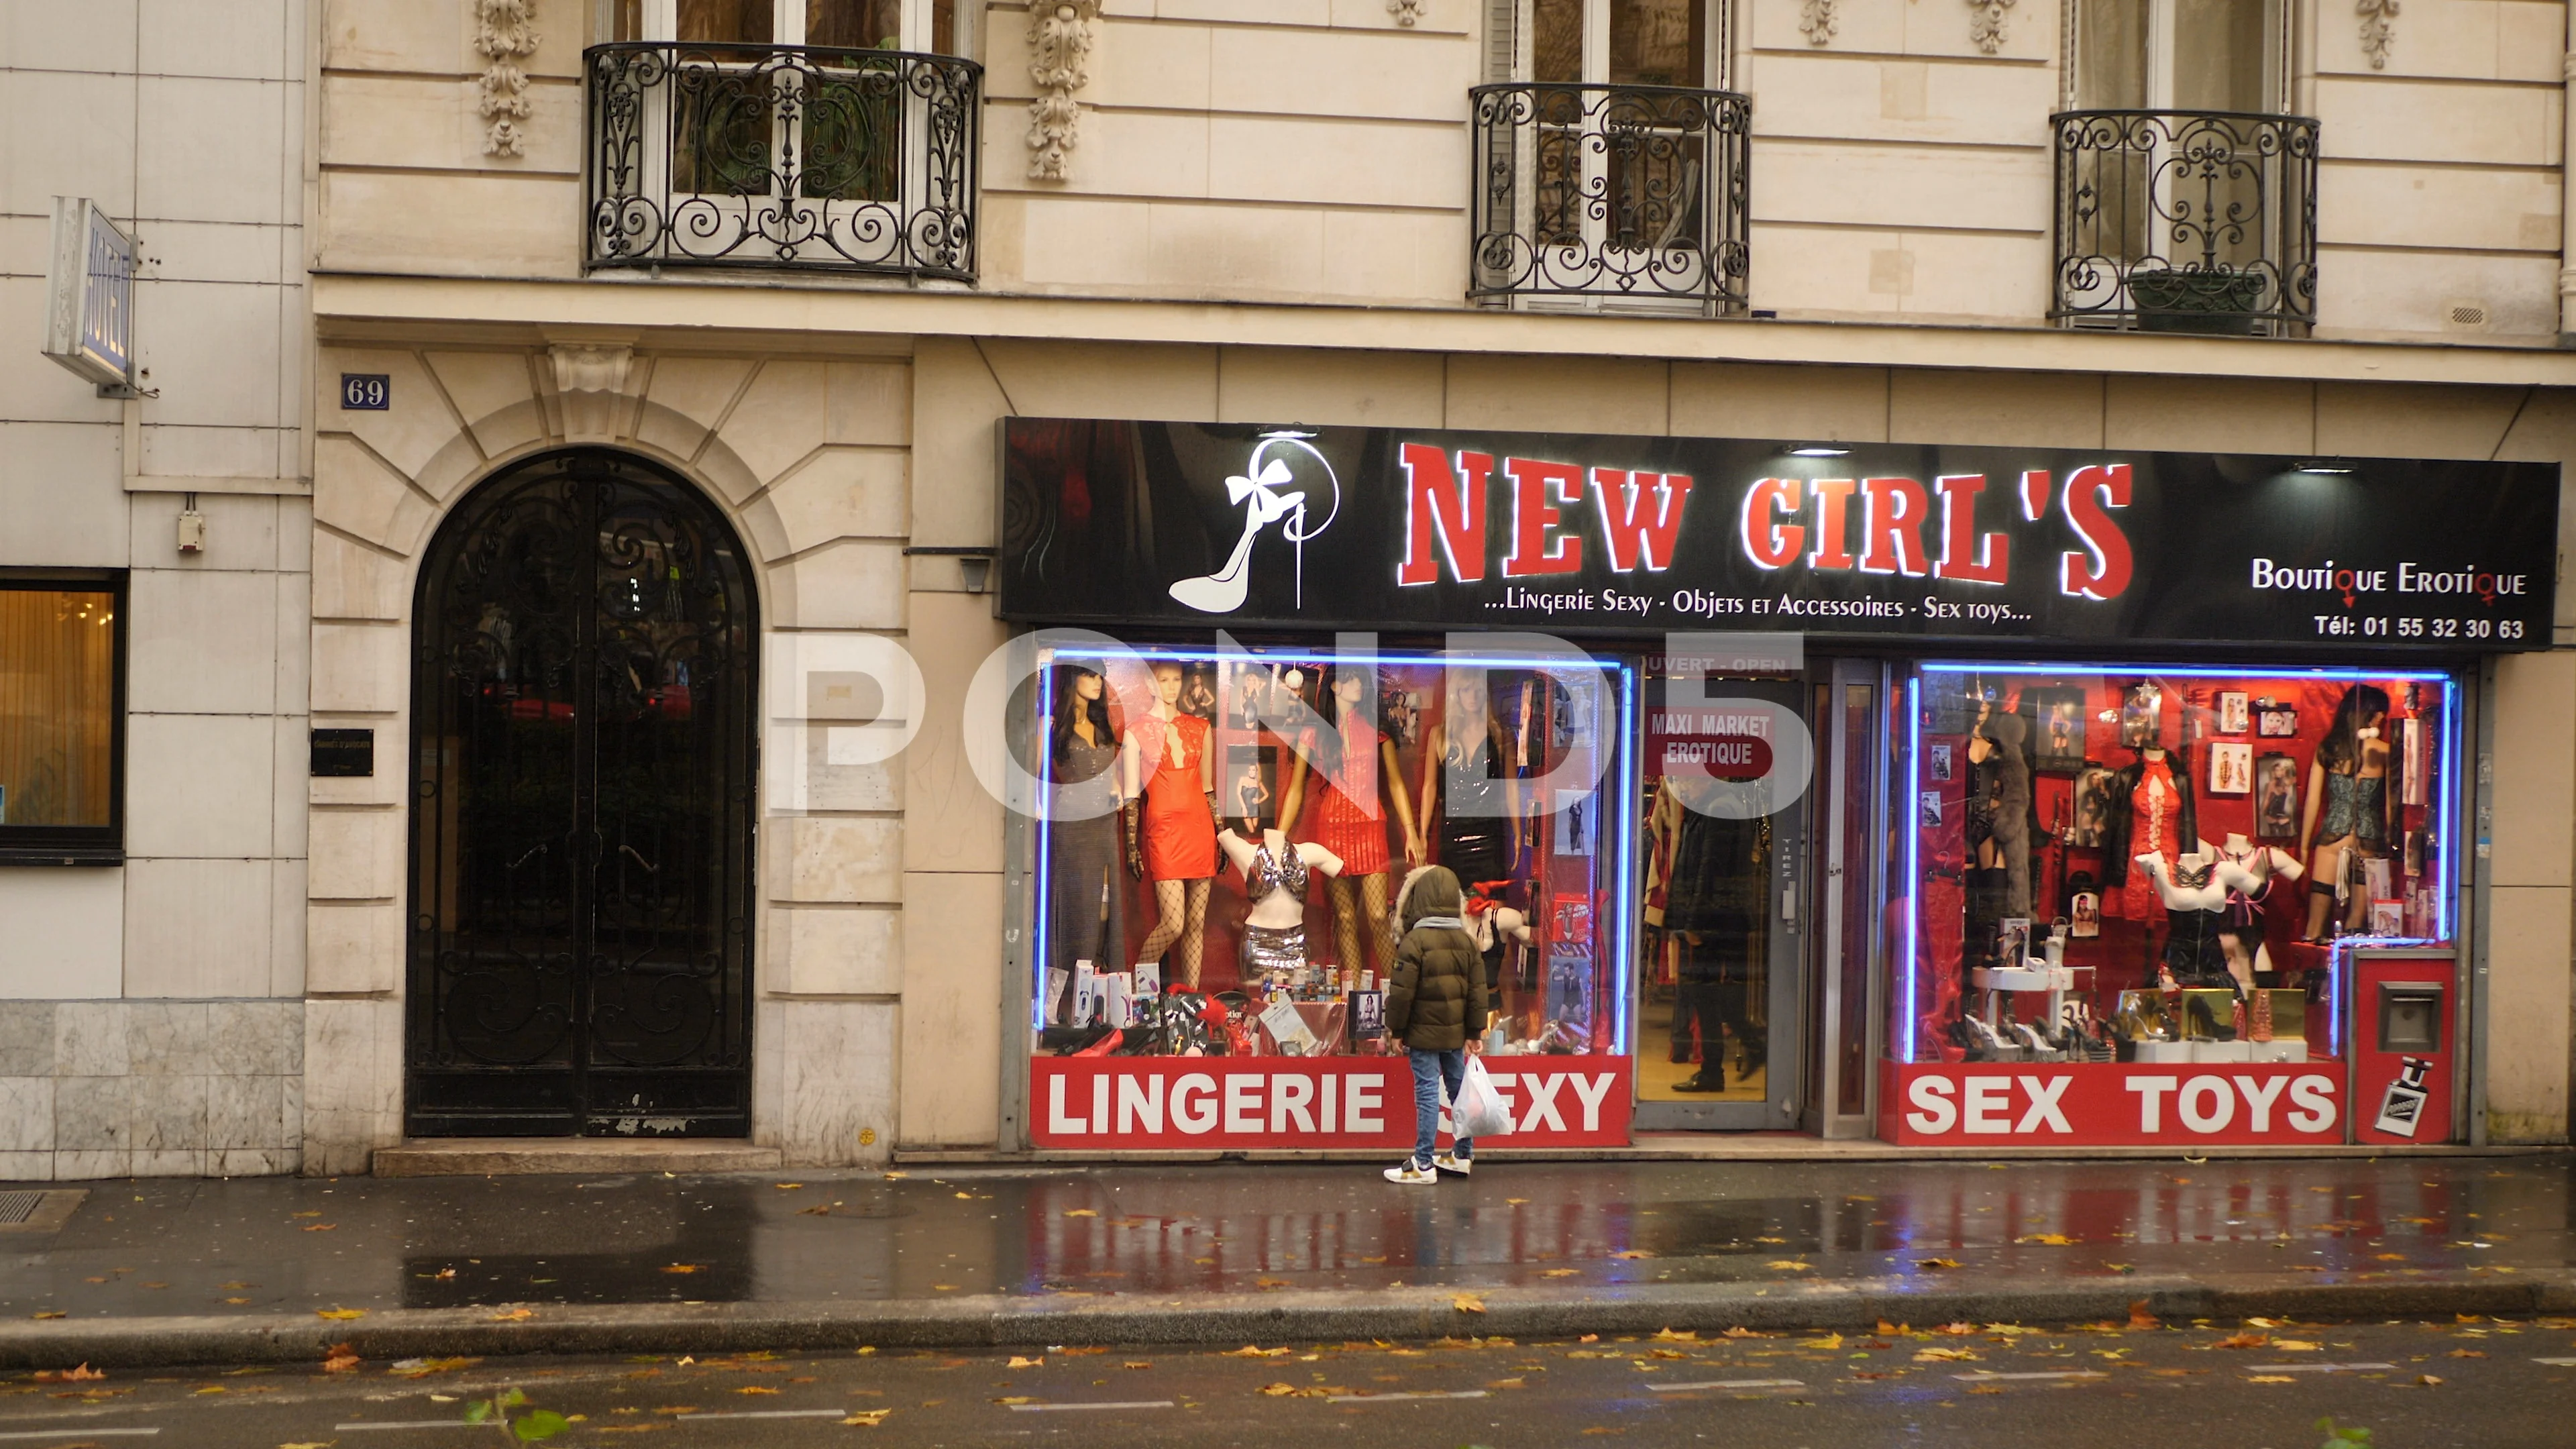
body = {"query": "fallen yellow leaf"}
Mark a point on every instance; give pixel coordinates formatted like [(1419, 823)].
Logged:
[(1250, 1351), (1946, 1355), (511, 1315), (2296, 1345), (1468, 1303), (1080, 1213), (1278, 1390), (1789, 1265), (2053, 1240), (1028, 1363), (755, 1389), (1830, 1340), (1936, 1262), (1675, 1335), (1632, 1253), (1544, 1273), (870, 1417), (48, 1313), (339, 1315), (1014, 1398), (681, 1268), (2428, 1381)]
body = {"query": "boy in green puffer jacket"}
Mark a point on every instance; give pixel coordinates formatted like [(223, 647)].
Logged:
[(1436, 1006)]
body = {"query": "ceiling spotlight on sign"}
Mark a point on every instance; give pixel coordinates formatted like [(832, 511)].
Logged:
[(1813, 452), (89, 314)]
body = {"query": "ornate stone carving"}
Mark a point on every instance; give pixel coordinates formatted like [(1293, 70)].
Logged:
[(590, 386), (1986, 23), (1059, 40), (2378, 29), (1407, 13), (1816, 20), (504, 30)]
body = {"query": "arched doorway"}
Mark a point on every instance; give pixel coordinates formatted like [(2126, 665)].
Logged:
[(583, 716)]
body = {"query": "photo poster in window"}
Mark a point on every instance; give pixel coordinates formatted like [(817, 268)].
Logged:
[(1198, 692), (1940, 759), (2092, 807), (2012, 941), (1248, 784), (2387, 916), (2235, 712), (2276, 798), (2416, 743), (1575, 827), (1930, 805), (2141, 712), (2231, 768), (2057, 732), (2274, 721)]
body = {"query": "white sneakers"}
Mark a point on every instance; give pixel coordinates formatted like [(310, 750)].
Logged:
[(1411, 1175)]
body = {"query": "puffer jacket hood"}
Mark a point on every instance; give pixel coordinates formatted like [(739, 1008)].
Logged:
[(1430, 890)]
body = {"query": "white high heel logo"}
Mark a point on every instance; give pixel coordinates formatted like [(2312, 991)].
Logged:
[(1273, 494)]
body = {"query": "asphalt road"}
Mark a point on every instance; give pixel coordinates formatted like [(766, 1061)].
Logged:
[(2490, 1384)]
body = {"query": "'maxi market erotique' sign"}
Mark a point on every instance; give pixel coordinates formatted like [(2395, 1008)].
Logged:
[(1224, 525)]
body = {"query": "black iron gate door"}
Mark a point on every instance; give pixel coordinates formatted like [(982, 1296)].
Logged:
[(583, 717)]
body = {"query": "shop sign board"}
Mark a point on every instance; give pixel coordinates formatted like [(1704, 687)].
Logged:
[(1236, 525), (1127, 1104), (2107, 1104), (89, 309)]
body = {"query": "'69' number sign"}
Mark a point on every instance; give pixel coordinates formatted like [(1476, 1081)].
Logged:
[(365, 391)]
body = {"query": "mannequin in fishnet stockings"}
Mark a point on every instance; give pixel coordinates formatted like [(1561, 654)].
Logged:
[(1183, 904)]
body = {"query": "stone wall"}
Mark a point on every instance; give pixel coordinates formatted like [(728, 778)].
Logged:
[(92, 1089)]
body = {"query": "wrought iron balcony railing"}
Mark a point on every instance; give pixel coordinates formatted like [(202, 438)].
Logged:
[(2186, 221), (782, 156), (1609, 197)]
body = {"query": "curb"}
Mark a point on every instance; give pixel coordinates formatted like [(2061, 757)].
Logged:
[(996, 1321)]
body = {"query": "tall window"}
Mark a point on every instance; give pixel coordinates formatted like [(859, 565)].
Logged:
[(1607, 42), (850, 24), (61, 717), (2178, 55)]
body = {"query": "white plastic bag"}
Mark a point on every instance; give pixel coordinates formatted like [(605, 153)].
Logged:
[(1479, 1110)]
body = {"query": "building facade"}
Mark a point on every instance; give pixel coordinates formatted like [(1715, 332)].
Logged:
[(651, 404)]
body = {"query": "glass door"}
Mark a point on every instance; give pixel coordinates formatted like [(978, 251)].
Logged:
[(1723, 782)]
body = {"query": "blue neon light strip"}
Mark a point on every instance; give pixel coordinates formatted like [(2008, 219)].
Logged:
[(1042, 912), (1913, 847), (2191, 672), (1628, 895)]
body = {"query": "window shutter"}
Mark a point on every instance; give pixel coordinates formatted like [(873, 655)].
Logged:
[(1506, 26)]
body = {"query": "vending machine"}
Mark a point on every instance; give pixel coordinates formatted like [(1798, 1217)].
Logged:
[(2401, 1007)]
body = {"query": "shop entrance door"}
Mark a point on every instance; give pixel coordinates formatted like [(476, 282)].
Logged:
[(581, 811), (1718, 1036)]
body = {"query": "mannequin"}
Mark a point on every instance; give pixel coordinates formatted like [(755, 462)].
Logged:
[(1466, 752), (2248, 870), (1351, 829), (1717, 910), (2350, 815), (1999, 805), (1275, 876), (1167, 751), (2151, 812), (1084, 759), (2195, 902)]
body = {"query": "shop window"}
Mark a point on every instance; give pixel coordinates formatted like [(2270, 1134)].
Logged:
[(2149, 865), (62, 715), (1248, 898)]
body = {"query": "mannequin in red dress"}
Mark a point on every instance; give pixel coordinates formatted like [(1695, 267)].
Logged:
[(1346, 827), (1168, 762)]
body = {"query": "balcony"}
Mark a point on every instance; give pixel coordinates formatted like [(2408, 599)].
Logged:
[(1608, 198), (2177, 221), (782, 157)]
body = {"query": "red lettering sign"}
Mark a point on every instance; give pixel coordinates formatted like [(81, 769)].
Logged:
[(1440, 505), (1539, 491), (2102, 571), (1965, 555), (1161, 1103), (1641, 516)]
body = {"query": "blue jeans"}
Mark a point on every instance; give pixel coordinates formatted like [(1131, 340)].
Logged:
[(1432, 1071)]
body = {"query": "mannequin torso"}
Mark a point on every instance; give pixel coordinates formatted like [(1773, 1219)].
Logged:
[(1277, 909)]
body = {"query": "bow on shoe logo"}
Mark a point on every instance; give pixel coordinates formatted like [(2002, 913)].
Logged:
[(1270, 490)]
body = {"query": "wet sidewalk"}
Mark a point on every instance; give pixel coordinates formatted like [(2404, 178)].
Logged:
[(1200, 1253)]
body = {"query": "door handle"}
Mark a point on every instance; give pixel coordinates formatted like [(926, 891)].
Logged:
[(639, 859)]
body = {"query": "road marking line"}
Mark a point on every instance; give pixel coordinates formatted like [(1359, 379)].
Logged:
[(416, 1424), (1981, 1376), (766, 1414), (2321, 1368), (78, 1432), (1731, 1384), (1396, 1398), (2557, 1362), (1126, 1404)]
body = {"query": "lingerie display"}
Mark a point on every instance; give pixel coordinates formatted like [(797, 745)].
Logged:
[(1083, 858), (2355, 807), (2151, 810), (1267, 949), (2192, 950), (1180, 834), (1999, 810), (1340, 822), (1474, 832)]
